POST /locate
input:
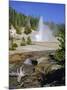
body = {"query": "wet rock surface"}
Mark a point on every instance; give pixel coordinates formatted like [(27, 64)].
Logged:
[(45, 73)]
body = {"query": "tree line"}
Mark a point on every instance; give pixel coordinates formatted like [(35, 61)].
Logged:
[(20, 20)]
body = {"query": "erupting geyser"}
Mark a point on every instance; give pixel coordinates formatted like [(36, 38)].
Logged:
[(39, 36), (44, 33)]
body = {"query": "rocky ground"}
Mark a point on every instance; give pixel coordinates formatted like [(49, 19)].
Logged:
[(39, 75), (34, 74)]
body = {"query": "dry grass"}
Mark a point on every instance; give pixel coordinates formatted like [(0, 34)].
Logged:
[(16, 58)]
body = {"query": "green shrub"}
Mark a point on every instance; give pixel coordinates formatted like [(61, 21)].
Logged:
[(18, 31), (29, 40), (14, 45), (60, 53), (23, 42), (27, 30), (12, 48)]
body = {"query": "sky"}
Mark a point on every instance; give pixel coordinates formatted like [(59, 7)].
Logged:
[(50, 12)]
